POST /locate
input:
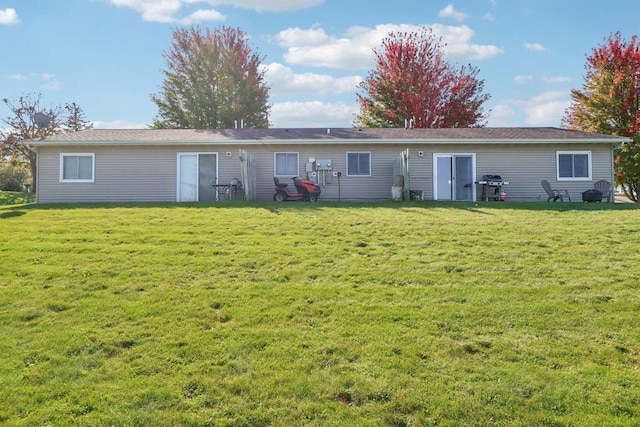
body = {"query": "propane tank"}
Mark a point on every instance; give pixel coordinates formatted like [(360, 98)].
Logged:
[(503, 196)]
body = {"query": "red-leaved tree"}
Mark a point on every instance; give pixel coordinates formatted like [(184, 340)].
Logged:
[(414, 82), (609, 103)]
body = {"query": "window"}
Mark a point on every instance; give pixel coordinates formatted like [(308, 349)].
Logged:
[(573, 165), (286, 164), (359, 164), (76, 167)]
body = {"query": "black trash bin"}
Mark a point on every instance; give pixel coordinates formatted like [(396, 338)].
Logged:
[(592, 195)]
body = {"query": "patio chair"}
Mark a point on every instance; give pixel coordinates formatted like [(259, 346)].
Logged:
[(554, 194), (605, 188)]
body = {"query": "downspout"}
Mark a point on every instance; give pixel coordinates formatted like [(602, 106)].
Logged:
[(37, 177), (407, 176)]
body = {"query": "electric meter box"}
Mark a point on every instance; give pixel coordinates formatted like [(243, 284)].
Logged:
[(324, 165)]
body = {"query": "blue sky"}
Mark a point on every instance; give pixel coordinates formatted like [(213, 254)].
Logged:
[(106, 55)]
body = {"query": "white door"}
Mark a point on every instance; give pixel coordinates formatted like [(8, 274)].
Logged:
[(197, 175), (454, 176)]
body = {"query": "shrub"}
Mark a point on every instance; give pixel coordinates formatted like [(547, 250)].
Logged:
[(12, 178)]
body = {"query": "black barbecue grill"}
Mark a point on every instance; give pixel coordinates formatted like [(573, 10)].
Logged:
[(492, 187)]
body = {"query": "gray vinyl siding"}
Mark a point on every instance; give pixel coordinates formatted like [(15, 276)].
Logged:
[(149, 173), (525, 166), (121, 174), (374, 187)]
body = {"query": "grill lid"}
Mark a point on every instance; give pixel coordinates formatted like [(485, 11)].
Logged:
[(493, 180)]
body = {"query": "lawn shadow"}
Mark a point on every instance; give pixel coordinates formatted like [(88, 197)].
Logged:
[(11, 214), (479, 207)]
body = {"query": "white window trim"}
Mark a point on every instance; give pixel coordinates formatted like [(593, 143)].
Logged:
[(93, 167), (589, 165), (275, 171), (357, 152)]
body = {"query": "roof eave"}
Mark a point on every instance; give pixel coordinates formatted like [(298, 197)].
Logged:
[(246, 142)]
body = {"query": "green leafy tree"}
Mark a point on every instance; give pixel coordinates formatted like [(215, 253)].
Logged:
[(414, 82), (609, 103), (212, 80), (22, 126)]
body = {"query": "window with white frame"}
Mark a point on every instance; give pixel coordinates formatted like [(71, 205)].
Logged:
[(77, 167), (573, 165), (286, 164), (359, 164)]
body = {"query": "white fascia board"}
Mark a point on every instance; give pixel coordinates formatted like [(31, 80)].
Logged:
[(246, 142)]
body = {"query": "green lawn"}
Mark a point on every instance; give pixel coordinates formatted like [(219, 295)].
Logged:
[(320, 314)]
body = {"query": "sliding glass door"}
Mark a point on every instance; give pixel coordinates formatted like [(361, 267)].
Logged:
[(197, 175), (454, 176)]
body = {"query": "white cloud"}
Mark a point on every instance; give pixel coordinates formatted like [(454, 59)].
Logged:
[(19, 77), (354, 50), (263, 5), (535, 47), (172, 11), (9, 16), (522, 79), (45, 80), (118, 124), (451, 12), (500, 115), (312, 114), (297, 37), (525, 78), (283, 80), (558, 79), (154, 11), (544, 109), (547, 108), (168, 11), (203, 16), (52, 85)]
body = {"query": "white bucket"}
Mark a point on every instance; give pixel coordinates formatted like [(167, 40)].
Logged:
[(396, 193)]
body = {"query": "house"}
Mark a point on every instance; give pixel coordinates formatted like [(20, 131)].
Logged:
[(104, 165)]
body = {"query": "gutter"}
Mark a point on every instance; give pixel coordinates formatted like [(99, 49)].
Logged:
[(399, 141), (621, 143)]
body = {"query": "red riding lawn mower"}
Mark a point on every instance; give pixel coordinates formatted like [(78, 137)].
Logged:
[(305, 189)]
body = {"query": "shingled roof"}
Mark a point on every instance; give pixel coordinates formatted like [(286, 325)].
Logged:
[(325, 136)]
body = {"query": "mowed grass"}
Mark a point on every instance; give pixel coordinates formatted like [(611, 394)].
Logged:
[(301, 314)]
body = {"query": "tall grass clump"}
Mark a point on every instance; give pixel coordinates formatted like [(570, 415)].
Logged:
[(15, 198)]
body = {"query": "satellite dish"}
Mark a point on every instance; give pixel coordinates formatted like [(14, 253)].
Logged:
[(41, 120)]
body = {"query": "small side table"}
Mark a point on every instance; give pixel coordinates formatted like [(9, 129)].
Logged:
[(223, 191)]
